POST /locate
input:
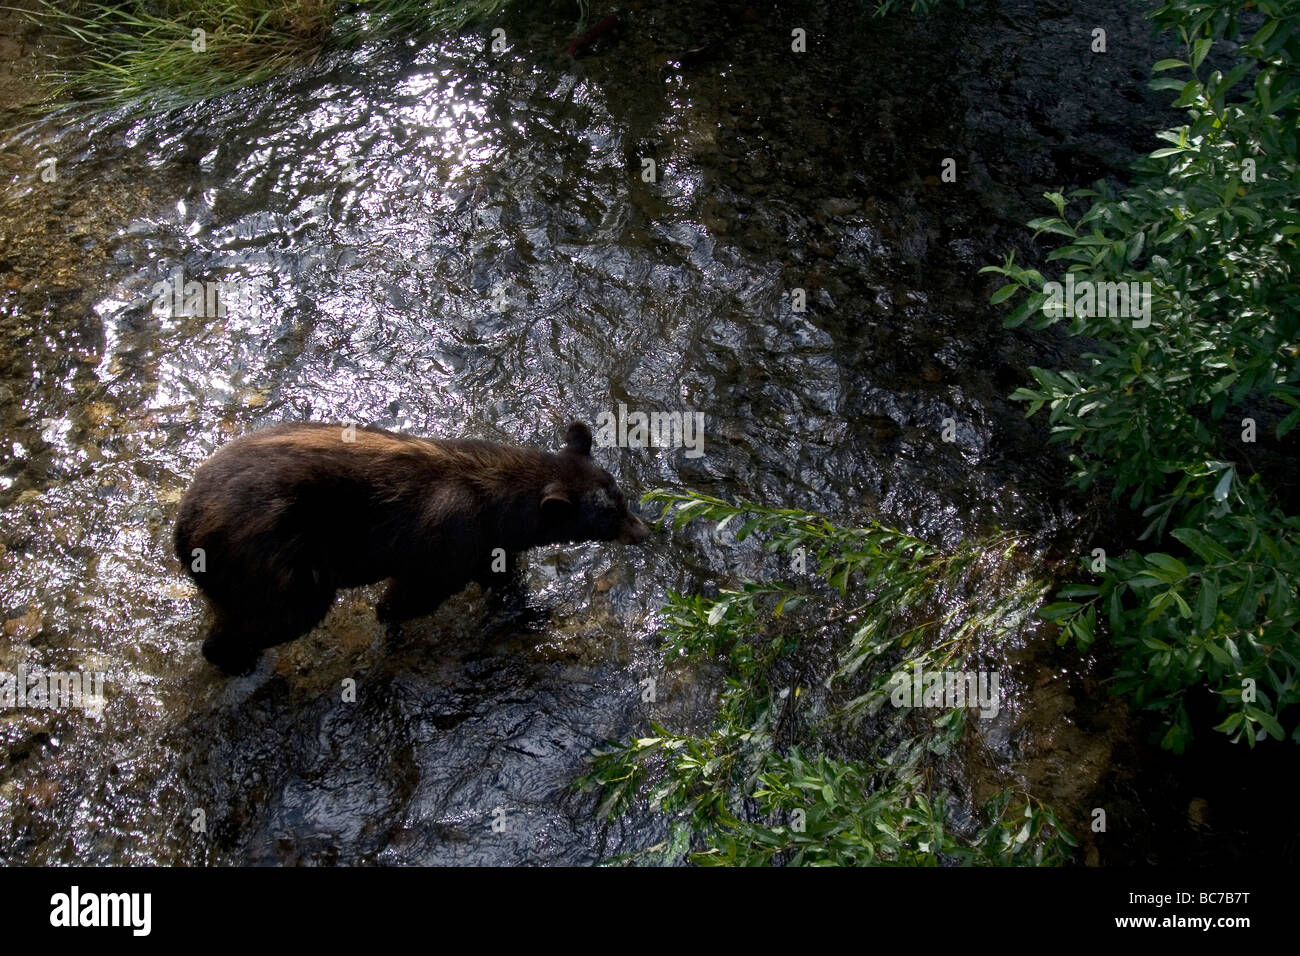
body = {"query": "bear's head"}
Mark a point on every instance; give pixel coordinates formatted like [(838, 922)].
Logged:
[(583, 502)]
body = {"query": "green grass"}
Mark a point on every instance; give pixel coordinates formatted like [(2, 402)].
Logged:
[(146, 56)]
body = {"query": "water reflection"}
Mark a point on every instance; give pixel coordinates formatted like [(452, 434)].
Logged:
[(444, 242)]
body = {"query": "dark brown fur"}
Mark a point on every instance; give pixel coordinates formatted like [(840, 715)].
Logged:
[(287, 516)]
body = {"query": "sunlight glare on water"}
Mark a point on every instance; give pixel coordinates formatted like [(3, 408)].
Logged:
[(443, 242)]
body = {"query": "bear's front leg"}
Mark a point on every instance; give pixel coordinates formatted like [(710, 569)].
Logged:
[(407, 598), (507, 594), (500, 575), (234, 656)]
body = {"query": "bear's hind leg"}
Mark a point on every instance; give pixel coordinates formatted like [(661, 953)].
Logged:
[(238, 638)]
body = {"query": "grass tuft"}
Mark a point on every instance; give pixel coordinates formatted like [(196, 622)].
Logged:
[(147, 55)]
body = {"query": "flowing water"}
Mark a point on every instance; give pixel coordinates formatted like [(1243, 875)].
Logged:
[(435, 237)]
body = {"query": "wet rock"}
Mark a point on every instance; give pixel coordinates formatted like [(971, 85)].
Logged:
[(25, 627)]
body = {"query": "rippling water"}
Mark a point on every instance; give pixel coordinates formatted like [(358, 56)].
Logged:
[(444, 240)]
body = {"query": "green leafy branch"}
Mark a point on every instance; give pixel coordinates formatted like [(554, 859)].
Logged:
[(760, 786)]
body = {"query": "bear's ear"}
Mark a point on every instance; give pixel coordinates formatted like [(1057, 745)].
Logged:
[(578, 439), (556, 503)]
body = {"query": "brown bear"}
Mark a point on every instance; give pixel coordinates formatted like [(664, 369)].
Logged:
[(276, 521)]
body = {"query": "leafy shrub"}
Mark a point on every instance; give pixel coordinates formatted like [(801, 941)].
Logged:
[(1209, 226), (760, 785)]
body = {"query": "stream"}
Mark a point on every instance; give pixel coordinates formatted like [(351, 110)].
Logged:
[(435, 237)]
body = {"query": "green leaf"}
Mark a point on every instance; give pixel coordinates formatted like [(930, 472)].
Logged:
[(1205, 547), (1208, 605), (1004, 293), (1199, 51), (1267, 721), (1224, 486), (1054, 226), (1060, 609), (1231, 723), (1174, 569)]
